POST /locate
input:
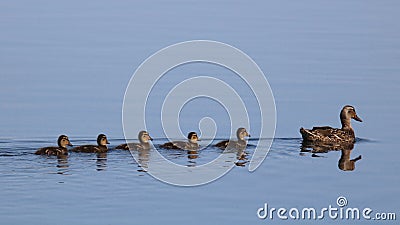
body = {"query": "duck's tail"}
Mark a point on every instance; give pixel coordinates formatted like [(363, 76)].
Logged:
[(307, 134)]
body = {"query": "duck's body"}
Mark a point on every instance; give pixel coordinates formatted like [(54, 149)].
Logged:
[(144, 139), (133, 146), (57, 151), (61, 150), (241, 143), (90, 149), (99, 148), (191, 144), (331, 135), (328, 135)]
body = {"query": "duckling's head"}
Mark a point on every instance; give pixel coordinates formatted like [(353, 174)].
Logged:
[(193, 138), (348, 112), (63, 141), (241, 133), (102, 140), (144, 137)]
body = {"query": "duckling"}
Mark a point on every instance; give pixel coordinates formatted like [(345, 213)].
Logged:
[(241, 143), (61, 150), (144, 139), (334, 135), (191, 144), (99, 148)]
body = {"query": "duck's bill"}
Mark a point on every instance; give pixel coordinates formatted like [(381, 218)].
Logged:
[(70, 144), (357, 118), (108, 142)]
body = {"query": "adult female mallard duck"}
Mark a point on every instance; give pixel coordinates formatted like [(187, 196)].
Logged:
[(241, 143), (99, 148), (329, 135), (61, 150), (191, 144), (144, 139)]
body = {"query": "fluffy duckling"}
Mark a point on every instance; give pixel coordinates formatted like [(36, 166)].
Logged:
[(191, 144), (99, 148), (144, 139), (61, 150), (334, 135), (241, 143)]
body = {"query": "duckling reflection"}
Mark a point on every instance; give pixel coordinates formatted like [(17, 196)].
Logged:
[(345, 162), (62, 164), (101, 162), (238, 155), (241, 156), (192, 154), (143, 159)]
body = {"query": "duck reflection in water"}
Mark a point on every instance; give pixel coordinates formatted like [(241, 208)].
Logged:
[(101, 162), (192, 154), (237, 147), (238, 153), (143, 159), (345, 162), (241, 156), (62, 164)]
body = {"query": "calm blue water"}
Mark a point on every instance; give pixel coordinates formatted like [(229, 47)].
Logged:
[(64, 67)]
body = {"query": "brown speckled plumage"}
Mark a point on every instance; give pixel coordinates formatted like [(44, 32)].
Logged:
[(333, 135)]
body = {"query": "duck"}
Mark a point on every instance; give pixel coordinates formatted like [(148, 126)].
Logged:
[(144, 138), (241, 143), (191, 144), (345, 162), (333, 136), (61, 150), (99, 148)]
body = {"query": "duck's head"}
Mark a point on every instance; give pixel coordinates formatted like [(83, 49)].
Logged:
[(193, 138), (102, 140), (241, 133), (348, 112), (63, 141), (144, 137)]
